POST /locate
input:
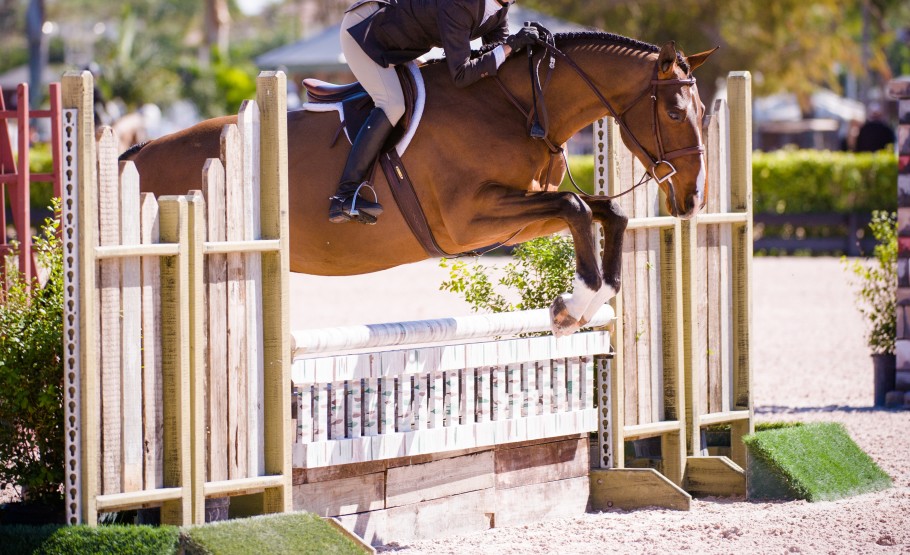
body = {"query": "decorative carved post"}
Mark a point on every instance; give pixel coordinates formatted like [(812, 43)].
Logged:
[(900, 89)]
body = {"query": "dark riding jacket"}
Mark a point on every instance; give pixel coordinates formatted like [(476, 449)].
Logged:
[(406, 29)]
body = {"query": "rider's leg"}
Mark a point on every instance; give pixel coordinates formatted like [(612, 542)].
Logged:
[(350, 202)]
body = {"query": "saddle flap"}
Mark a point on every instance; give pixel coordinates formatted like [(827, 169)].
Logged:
[(357, 105)]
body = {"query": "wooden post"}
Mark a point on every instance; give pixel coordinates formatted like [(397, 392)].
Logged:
[(673, 445), (276, 348), (79, 202), (739, 92), (196, 224), (175, 360), (611, 450)]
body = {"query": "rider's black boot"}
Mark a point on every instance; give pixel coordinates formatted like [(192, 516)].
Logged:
[(348, 203)]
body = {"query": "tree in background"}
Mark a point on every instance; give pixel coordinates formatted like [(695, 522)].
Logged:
[(787, 44)]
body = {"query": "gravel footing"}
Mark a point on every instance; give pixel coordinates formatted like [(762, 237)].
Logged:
[(810, 364)]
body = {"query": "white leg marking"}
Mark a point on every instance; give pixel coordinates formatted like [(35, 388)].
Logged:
[(578, 301), (603, 295)]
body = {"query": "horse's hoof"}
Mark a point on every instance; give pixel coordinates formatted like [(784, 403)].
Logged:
[(561, 321)]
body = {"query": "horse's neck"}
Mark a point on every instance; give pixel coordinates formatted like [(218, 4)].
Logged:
[(570, 103)]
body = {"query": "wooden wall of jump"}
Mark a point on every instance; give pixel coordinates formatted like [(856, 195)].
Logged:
[(150, 401), (176, 388), (681, 339)]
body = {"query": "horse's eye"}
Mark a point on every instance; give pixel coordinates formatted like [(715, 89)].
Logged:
[(674, 115)]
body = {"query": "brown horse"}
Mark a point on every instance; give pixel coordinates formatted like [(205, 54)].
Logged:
[(478, 175)]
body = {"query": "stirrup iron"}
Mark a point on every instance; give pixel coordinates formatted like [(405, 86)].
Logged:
[(354, 211)]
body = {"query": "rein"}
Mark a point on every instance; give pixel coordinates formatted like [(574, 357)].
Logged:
[(663, 157)]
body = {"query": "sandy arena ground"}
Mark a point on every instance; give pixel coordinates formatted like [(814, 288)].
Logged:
[(810, 364)]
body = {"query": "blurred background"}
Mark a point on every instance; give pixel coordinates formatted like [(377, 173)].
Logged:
[(819, 73)]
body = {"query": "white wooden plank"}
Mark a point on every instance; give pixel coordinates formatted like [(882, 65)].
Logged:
[(436, 412), (559, 384), (248, 125), (498, 398), (152, 401), (321, 396), (337, 424), (304, 413), (404, 404), (216, 377), (131, 330), (420, 401), (238, 361), (386, 405), (451, 398), (353, 407), (371, 407), (468, 397), (110, 314)]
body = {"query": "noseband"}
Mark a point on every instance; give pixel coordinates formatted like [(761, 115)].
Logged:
[(662, 160), (663, 157)]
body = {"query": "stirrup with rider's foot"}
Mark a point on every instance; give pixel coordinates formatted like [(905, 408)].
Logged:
[(347, 204)]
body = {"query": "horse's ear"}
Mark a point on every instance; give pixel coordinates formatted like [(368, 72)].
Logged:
[(666, 61), (695, 60)]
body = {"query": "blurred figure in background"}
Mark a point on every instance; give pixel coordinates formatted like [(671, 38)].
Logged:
[(875, 134)]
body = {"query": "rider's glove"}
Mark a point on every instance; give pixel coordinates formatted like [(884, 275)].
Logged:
[(525, 37)]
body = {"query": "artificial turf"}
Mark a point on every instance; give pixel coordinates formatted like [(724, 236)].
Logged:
[(293, 533), (815, 462)]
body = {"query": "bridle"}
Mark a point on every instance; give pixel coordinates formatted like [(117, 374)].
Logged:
[(660, 169)]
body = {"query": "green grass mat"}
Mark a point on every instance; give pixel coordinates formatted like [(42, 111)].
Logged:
[(816, 462), (295, 533)]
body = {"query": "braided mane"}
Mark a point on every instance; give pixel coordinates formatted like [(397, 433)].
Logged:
[(585, 38)]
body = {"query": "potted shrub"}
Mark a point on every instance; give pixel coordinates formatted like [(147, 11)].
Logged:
[(877, 300)]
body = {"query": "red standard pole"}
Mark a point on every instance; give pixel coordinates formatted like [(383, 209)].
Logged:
[(56, 117), (20, 198), (7, 165)]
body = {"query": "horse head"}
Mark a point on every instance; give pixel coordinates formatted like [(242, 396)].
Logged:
[(663, 128)]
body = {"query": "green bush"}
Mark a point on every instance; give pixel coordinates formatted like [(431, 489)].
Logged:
[(803, 181), (31, 377), (806, 181), (127, 540), (24, 539), (543, 268), (877, 281)]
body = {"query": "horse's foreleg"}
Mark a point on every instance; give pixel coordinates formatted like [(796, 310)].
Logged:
[(503, 209), (613, 220)]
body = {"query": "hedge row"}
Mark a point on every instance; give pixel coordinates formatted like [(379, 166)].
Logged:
[(804, 181)]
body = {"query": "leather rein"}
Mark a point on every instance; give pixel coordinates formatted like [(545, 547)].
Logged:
[(662, 160)]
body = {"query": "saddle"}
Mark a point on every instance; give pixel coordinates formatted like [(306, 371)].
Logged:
[(356, 104)]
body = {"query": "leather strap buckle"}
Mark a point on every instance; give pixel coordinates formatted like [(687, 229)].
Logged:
[(668, 175)]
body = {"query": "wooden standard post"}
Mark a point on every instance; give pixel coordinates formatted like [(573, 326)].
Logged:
[(77, 95), (739, 93), (276, 348)]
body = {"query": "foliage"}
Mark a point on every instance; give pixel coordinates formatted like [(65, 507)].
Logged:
[(542, 269), (31, 376), (582, 168), (877, 280), (128, 540), (23, 539), (801, 181), (786, 44), (303, 533), (817, 462)]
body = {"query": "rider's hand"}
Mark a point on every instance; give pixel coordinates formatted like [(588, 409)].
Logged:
[(525, 37)]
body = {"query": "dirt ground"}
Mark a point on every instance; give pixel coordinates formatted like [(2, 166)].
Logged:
[(810, 364)]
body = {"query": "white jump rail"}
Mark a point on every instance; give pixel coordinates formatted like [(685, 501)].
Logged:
[(431, 386)]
